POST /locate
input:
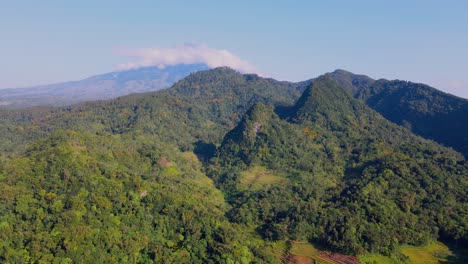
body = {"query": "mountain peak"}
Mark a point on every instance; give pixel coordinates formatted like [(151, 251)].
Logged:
[(241, 142), (352, 82), (225, 85), (324, 94), (253, 123), (151, 72), (341, 71), (99, 87)]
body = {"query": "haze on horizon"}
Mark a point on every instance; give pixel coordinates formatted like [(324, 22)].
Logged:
[(419, 41)]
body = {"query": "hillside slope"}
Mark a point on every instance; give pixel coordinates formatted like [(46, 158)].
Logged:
[(121, 181), (176, 115), (424, 110), (337, 172), (79, 197)]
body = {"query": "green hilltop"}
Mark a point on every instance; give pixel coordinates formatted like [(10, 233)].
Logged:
[(220, 167), (352, 180)]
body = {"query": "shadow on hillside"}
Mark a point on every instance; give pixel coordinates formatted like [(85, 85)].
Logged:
[(284, 112), (460, 253), (204, 151)]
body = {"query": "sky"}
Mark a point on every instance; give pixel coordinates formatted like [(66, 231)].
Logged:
[(44, 42)]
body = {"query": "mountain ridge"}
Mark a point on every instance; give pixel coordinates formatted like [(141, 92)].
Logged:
[(333, 160), (98, 87), (208, 172), (424, 110)]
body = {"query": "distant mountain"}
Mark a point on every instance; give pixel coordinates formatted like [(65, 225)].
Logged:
[(99, 87), (424, 110)]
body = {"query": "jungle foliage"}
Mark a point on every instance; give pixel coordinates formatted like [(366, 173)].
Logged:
[(214, 168)]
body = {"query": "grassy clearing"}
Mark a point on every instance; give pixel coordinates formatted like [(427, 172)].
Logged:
[(200, 179), (432, 253), (259, 177), (304, 249), (435, 252), (278, 248), (376, 258)]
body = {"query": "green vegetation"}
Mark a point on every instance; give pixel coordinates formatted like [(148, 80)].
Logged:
[(201, 107), (356, 188), (80, 197), (431, 253), (219, 169), (256, 178), (422, 109), (377, 259)]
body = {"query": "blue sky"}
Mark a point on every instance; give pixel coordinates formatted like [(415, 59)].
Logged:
[(423, 41)]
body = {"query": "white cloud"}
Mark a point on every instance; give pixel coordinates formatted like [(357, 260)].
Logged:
[(187, 54)]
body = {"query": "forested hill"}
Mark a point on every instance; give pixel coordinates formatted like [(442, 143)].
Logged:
[(117, 181), (337, 172), (202, 106), (216, 169), (422, 109)]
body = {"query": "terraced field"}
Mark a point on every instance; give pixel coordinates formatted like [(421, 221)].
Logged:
[(297, 252)]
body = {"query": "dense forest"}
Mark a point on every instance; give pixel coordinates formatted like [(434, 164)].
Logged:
[(420, 108), (78, 197), (219, 166), (340, 174)]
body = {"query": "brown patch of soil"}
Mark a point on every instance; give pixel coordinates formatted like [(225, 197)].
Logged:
[(339, 258), (302, 260)]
